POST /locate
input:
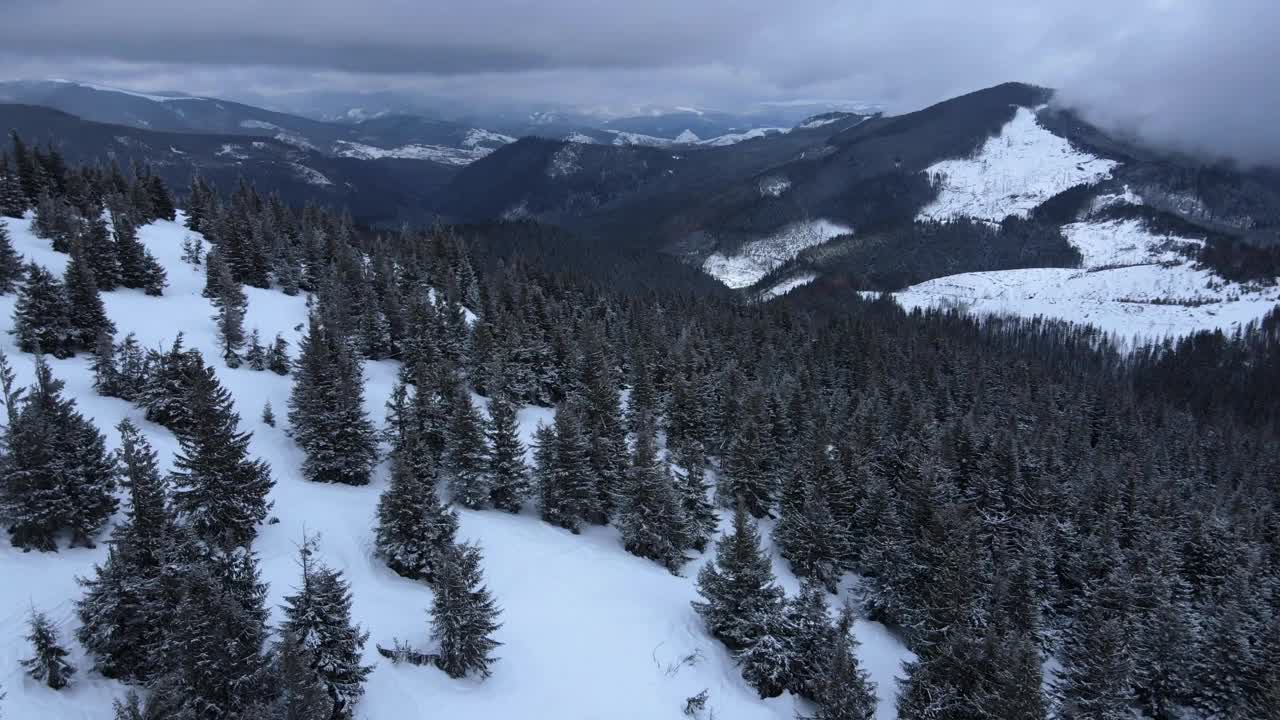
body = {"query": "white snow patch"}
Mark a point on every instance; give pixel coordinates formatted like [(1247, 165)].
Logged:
[(134, 93), (310, 175), (435, 153), (565, 160), (787, 286), (259, 125), (1134, 285), (1012, 173), (475, 136), (577, 137), (630, 138), (291, 138), (758, 257), (233, 151), (575, 607), (735, 138), (688, 136), (774, 186)]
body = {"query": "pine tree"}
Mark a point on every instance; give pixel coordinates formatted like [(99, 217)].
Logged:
[(219, 490), (85, 311), (216, 667), (843, 691), (127, 605), (811, 638), (326, 410), (740, 596), (745, 477), (318, 619), (1097, 657), (466, 457), (303, 695), (278, 356), (57, 473), (13, 202), (49, 664), (809, 537), (12, 271), (230, 300), (507, 469), (41, 317), (414, 529), (566, 493), (463, 615), (699, 513), (56, 222), (168, 379), (192, 250), (138, 267), (99, 252), (268, 415), (255, 356), (106, 375), (649, 516)]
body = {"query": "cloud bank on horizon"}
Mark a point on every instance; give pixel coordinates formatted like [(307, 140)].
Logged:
[(1193, 74)]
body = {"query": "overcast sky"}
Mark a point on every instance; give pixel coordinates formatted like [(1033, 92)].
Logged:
[(1198, 73)]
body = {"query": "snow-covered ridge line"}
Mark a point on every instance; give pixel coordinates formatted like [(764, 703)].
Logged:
[(436, 153), (1012, 173)]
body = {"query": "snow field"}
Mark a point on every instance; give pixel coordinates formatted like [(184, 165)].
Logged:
[(756, 258), (589, 631)]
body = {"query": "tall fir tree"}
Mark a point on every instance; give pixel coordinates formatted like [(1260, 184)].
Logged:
[(649, 515), (229, 299), (12, 271), (302, 694), (85, 311), (464, 615), (49, 663), (700, 517), (99, 252), (507, 469), (466, 454), (843, 690), (566, 493), (326, 410), (219, 491), (318, 618), (41, 316), (414, 529)]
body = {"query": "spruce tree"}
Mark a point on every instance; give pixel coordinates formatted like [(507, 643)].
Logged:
[(106, 374), (318, 619), (231, 303), (507, 469), (219, 491), (466, 455), (1097, 657), (85, 311), (57, 473), (843, 691), (13, 203), (278, 356), (48, 665), (138, 267), (12, 271), (742, 606), (41, 317), (302, 694), (255, 356), (414, 529), (326, 410), (700, 517), (127, 605), (99, 252), (649, 516), (268, 415), (809, 537), (811, 638), (168, 379), (463, 614), (745, 479), (566, 493)]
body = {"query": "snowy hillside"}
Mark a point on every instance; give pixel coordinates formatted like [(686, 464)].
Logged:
[(436, 153), (1134, 284), (589, 631), (1012, 173), (756, 258)]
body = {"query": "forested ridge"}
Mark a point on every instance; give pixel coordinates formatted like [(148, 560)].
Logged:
[(1008, 493)]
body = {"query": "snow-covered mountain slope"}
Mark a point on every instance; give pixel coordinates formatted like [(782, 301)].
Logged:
[(1012, 173), (1134, 284), (787, 286), (756, 258), (589, 631), (435, 153)]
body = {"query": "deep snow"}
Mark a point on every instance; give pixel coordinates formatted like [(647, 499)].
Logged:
[(756, 258), (589, 631)]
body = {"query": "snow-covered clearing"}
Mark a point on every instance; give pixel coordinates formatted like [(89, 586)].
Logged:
[(1134, 284), (758, 257), (787, 286), (435, 153), (311, 176), (773, 186), (1012, 173), (476, 136), (589, 631)]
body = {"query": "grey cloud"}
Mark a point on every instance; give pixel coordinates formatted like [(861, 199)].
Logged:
[(1189, 73)]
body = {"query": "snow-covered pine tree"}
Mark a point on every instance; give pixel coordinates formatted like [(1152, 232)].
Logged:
[(99, 252), (13, 203), (11, 269), (138, 267), (106, 376), (740, 598), (278, 356), (649, 515), (745, 479), (219, 491), (700, 517), (85, 311), (326, 410), (809, 537), (507, 469), (56, 222), (167, 384), (127, 606), (57, 473), (41, 316), (1096, 680), (192, 250), (231, 303), (318, 619), (268, 415), (214, 660), (302, 694), (466, 455), (414, 528), (255, 356), (566, 493), (49, 664), (811, 638), (602, 424), (464, 615), (843, 690)]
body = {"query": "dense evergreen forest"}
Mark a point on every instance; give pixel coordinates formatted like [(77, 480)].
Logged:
[(1009, 493)]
